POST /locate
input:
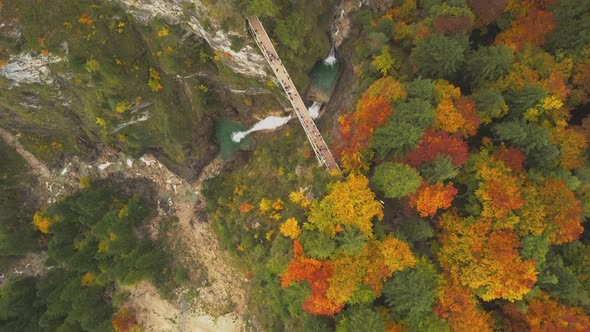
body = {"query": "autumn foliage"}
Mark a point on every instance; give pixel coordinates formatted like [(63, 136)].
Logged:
[(42, 222), (466, 107), (349, 203), (290, 228), (384, 258), (334, 282), (458, 116), (545, 314), (386, 87), (430, 198), (486, 11), (460, 308), (372, 111), (511, 157), (377, 261), (534, 66), (356, 129), (572, 143), (499, 190), (435, 143), (86, 19), (452, 24), (349, 206), (485, 260), (245, 207), (447, 116), (478, 127), (548, 315), (564, 212), (316, 273), (581, 81), (455, 114), (530, 28), (125, 321)]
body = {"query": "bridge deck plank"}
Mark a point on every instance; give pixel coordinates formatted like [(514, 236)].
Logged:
[(318, 144)]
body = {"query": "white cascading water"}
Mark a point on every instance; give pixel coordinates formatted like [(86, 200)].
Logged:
[(331, 59), (314, 109), (270, 122)]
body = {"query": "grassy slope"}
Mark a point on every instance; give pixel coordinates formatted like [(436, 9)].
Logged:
[(180, 127)]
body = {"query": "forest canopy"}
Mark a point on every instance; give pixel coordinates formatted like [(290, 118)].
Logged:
[(464, 190), (461, 128), (92, 245)]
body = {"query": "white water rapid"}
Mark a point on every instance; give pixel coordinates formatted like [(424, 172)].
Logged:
[(314, 109), (331, 59), (270, 122)]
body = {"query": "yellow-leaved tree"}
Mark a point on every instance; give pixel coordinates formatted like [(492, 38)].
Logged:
[(41, 222), (290, 228), (349, 203)]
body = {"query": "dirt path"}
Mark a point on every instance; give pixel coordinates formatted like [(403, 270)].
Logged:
[(37, 167), (158, 315), (219, 302)]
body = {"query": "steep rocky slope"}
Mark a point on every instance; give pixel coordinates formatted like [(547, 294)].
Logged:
[(218, 298), (138, 76)]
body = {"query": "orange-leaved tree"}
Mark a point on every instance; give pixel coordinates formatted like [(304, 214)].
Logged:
[(125, 321), (483, 259), (564, 212), (498, 189), (431, 197), (572, 144), (371, 112), (544, 314), (347, 278), (316, 273), (376, 262), (41, 221), (466, 107), (530, 28), (453, 113), (552, 209), (460, 308)]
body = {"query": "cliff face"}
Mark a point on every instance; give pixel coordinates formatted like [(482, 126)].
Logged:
[(141, 76), (26, 68), (204, 20), (137, 75)]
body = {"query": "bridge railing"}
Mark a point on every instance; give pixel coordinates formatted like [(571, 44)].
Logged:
[(298, 109)]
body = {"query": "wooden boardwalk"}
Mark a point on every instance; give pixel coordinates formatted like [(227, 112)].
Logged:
[(322, 152)]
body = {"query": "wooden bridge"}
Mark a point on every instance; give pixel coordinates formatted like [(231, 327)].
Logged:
[(322, 152)]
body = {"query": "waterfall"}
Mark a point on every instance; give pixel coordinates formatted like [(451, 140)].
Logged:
[(270, 122), (314, 109), (331, 59)]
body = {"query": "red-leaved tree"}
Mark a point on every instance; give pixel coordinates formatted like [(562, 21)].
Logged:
[(316, 273), (512, 157), (435, 143)]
